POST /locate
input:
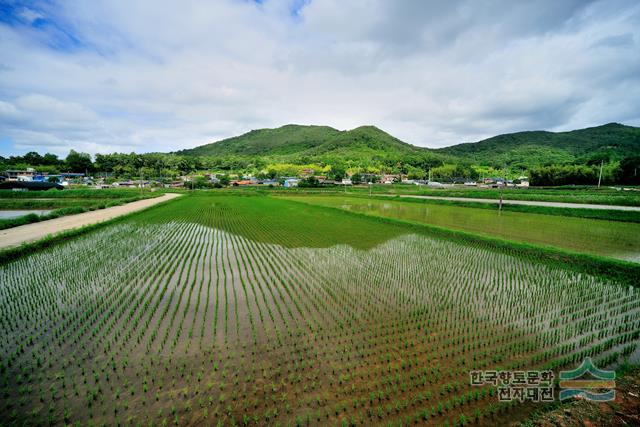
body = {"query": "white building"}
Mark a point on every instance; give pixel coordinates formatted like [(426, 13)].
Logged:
[(290, 183)]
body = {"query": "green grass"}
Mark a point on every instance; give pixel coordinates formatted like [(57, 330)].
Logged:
[(280, 221), (55, 203), (77, 193)]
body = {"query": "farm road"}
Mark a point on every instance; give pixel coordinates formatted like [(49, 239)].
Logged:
[(524, 202), (31, 232)]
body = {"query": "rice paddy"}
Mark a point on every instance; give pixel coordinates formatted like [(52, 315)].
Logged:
[(241, 310), (614, 239)]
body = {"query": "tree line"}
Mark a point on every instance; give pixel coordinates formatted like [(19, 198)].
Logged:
[(170, 166), (627, 171)]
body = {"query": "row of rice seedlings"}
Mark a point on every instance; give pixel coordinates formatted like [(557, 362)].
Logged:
[(321, 336)]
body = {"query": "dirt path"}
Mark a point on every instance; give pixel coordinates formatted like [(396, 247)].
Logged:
[(523, 202), (31, 232)]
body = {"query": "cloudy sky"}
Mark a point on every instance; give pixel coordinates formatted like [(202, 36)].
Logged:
[(153, 75)]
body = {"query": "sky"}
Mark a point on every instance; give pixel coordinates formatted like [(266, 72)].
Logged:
[(105, 76)]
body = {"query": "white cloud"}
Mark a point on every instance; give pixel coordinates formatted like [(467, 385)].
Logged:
[(29, 15), (161, 76)]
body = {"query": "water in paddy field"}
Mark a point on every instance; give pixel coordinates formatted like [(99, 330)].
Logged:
[(8, 214), (598, 237), (184, 323)]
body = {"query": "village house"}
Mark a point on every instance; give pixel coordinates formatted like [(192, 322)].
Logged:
[(20, 175), (290, 182), (387, 179)]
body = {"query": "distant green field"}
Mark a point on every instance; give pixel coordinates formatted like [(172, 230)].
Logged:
[(605, 214), (591, 195), (598, 237)]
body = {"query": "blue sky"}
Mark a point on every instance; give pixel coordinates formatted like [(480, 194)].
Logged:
[(36, 19), (153, 75)]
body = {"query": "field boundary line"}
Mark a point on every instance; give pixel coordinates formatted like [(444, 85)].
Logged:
[(520, 202)]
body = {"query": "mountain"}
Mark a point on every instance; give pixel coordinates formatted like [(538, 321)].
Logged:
[(285, 140), (297, 143), (312, 143), (611, 141)]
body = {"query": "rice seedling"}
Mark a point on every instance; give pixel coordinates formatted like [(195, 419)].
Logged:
[(232, 310)]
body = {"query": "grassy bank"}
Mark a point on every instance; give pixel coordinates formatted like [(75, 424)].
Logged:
[(82, 193)]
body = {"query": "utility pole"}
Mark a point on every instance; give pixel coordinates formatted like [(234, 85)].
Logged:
[(600, 175)]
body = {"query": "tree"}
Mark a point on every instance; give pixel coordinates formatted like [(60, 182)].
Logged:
[(50, 160), (337, 172), (311, 181), (449, 172), (564, 175), (79, 162), (415, 173), (200, 182), (630, 170), (32, 158)]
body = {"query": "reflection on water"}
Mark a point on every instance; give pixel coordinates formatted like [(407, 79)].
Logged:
[(608, 238)]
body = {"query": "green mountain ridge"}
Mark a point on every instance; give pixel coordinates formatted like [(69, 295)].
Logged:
[(612, 141), (310, 143)]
